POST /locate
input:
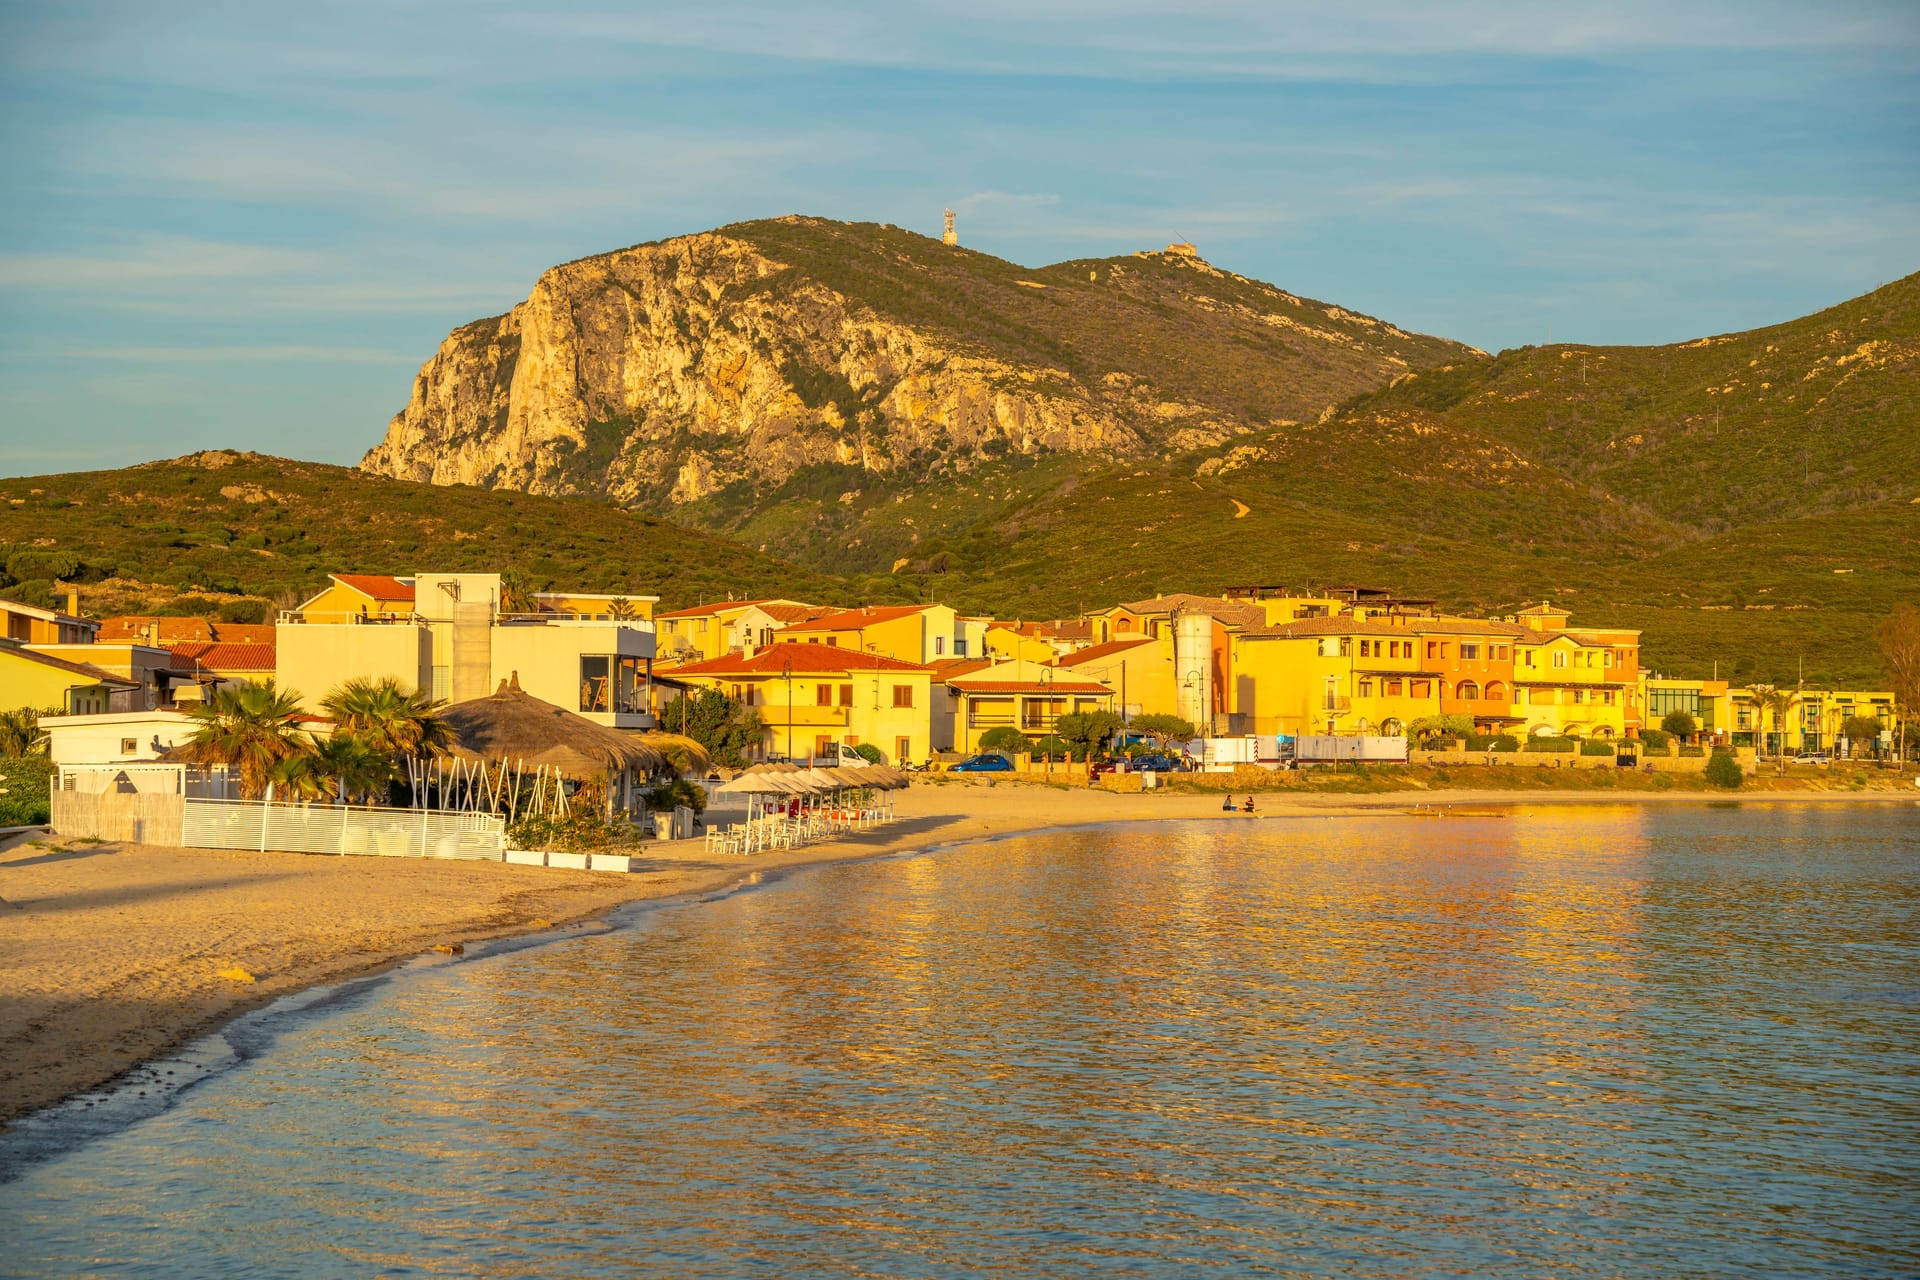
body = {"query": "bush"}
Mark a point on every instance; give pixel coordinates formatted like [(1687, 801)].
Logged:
[(678, 792), (1679, 724), (1696, 752), (870, 753), (1723, 770), (582, 831), (1656, 739), (1006, 739), (1052, 747), (1557, 746), (1493, 742), (1596, 747), (24, 786)]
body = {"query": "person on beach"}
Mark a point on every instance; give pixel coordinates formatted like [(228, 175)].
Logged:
[(1226, 806), (1248, 806)]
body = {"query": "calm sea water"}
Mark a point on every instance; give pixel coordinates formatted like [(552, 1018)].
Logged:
[(1617, 1042)]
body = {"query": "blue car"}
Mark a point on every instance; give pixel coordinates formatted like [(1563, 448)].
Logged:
[(988, 763)]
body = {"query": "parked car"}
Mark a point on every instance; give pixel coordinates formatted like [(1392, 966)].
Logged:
[(1101, 768), (1157, 763), (985, 763), (1813, 757)]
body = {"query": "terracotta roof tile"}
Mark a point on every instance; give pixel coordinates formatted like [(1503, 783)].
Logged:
[(86, 669), (854, 619), (807, 659), (1099, 652), (1028, 686), (378, 585)]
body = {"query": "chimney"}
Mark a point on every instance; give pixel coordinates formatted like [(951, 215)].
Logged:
[(73, 601)]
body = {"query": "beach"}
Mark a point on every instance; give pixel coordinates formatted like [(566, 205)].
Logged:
[(117, 953)]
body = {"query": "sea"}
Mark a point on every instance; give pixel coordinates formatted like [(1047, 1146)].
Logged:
[(1596, 1041)]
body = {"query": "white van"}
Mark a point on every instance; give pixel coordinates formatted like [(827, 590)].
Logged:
[(839, 753)]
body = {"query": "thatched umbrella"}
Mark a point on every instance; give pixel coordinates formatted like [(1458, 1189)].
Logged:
[(511, 725)]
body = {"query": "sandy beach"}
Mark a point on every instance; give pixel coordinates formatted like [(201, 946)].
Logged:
[(117, 953)]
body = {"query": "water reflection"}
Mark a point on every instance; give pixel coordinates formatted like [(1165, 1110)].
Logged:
[(1615, 1042)]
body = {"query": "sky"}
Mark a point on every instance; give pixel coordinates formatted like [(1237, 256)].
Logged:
[(248, 225)]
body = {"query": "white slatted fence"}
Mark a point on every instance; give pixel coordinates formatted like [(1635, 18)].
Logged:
[(324, 828)]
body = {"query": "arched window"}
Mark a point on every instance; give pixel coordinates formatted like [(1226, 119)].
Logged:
[(1496, 691), (1392, 728), (1469, 691), (1365, 726)]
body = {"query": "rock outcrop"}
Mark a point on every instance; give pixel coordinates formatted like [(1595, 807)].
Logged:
[(664, 374)]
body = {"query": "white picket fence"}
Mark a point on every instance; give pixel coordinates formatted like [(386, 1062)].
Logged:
[(324, 828)]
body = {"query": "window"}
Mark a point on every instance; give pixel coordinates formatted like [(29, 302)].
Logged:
[(983, 713), (1393, 688), (1468, 691), (846, 695), (1469, 651), (1559, 658), (823, 744), (1579, 697), (1366, 688), (1326, 647), (1606, 659), (1346, 646), (903, 695), (939, 646), (1606, 696), (903, 749), (1529, 661), (1433, 649), (834, 641), (1496, 692), (596, 691), (129, 746), (823, 695), (1420, 688), (630, 680), (959, 651)]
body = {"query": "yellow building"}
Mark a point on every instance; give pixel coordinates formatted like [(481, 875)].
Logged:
[(1139, 669), (28, 624), (1707, 701), (1575, 682), (1021, 641), (1028, 696), (1339, 675), (41, 681), (811, 696), (918, 633), (449, 637), (1814, 722), (709, 631), (353, 596)]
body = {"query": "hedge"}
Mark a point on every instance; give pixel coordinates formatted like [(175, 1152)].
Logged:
[(1656, 739), (1493, 742), (1693, 751), (1595, 747), (24, 786), (1559, 746)]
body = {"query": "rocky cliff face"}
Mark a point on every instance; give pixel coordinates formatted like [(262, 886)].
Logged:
[(665, 373)]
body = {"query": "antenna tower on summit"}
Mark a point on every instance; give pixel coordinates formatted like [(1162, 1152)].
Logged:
[(949, 236)]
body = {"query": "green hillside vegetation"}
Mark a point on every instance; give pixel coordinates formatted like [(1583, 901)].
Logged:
[(232, 528)]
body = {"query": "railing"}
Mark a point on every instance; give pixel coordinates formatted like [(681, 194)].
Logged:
[(322, 828)]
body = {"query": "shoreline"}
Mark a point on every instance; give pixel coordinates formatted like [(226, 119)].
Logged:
[(118, 953)]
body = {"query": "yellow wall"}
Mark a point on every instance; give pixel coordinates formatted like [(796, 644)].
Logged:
[(1005, 643), (26, 683), (313, 659), (1142, 676), (596, 606), (866, 715), (909, 638)]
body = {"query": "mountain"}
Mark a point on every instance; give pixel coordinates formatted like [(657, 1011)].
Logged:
[(724, 366), (249, 531)]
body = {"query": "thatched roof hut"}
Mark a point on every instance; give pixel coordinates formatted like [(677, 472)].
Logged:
[(510, 724)]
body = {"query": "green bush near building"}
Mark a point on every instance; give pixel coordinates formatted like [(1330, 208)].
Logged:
[(1595, 747), (1557, 746), (1655, 739), (1493, 742), (1694, 752), (1723, 770), (25, 784), (1006, 739)]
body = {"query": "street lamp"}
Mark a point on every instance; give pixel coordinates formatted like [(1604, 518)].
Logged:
[(786, 669)]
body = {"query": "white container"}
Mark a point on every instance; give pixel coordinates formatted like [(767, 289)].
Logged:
[(572, 861), (612, 862), (527, 857)]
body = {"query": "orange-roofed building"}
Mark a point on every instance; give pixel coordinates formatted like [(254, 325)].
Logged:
[(910, 632), (708, 631), (1028, 696), (349, 596), (810, 696)]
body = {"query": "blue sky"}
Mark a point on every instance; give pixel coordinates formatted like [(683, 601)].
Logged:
[(248, 225)]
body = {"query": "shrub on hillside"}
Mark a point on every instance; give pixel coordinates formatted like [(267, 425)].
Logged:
[(1723, 770)]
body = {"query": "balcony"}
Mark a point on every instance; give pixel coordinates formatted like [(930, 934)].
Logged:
[(1336, 702), (801, 716)]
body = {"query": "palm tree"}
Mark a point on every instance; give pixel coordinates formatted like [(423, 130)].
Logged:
[(294, 778), (248, 728), (349, 766), (1778, 703), (389, 719), (20, 733)]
